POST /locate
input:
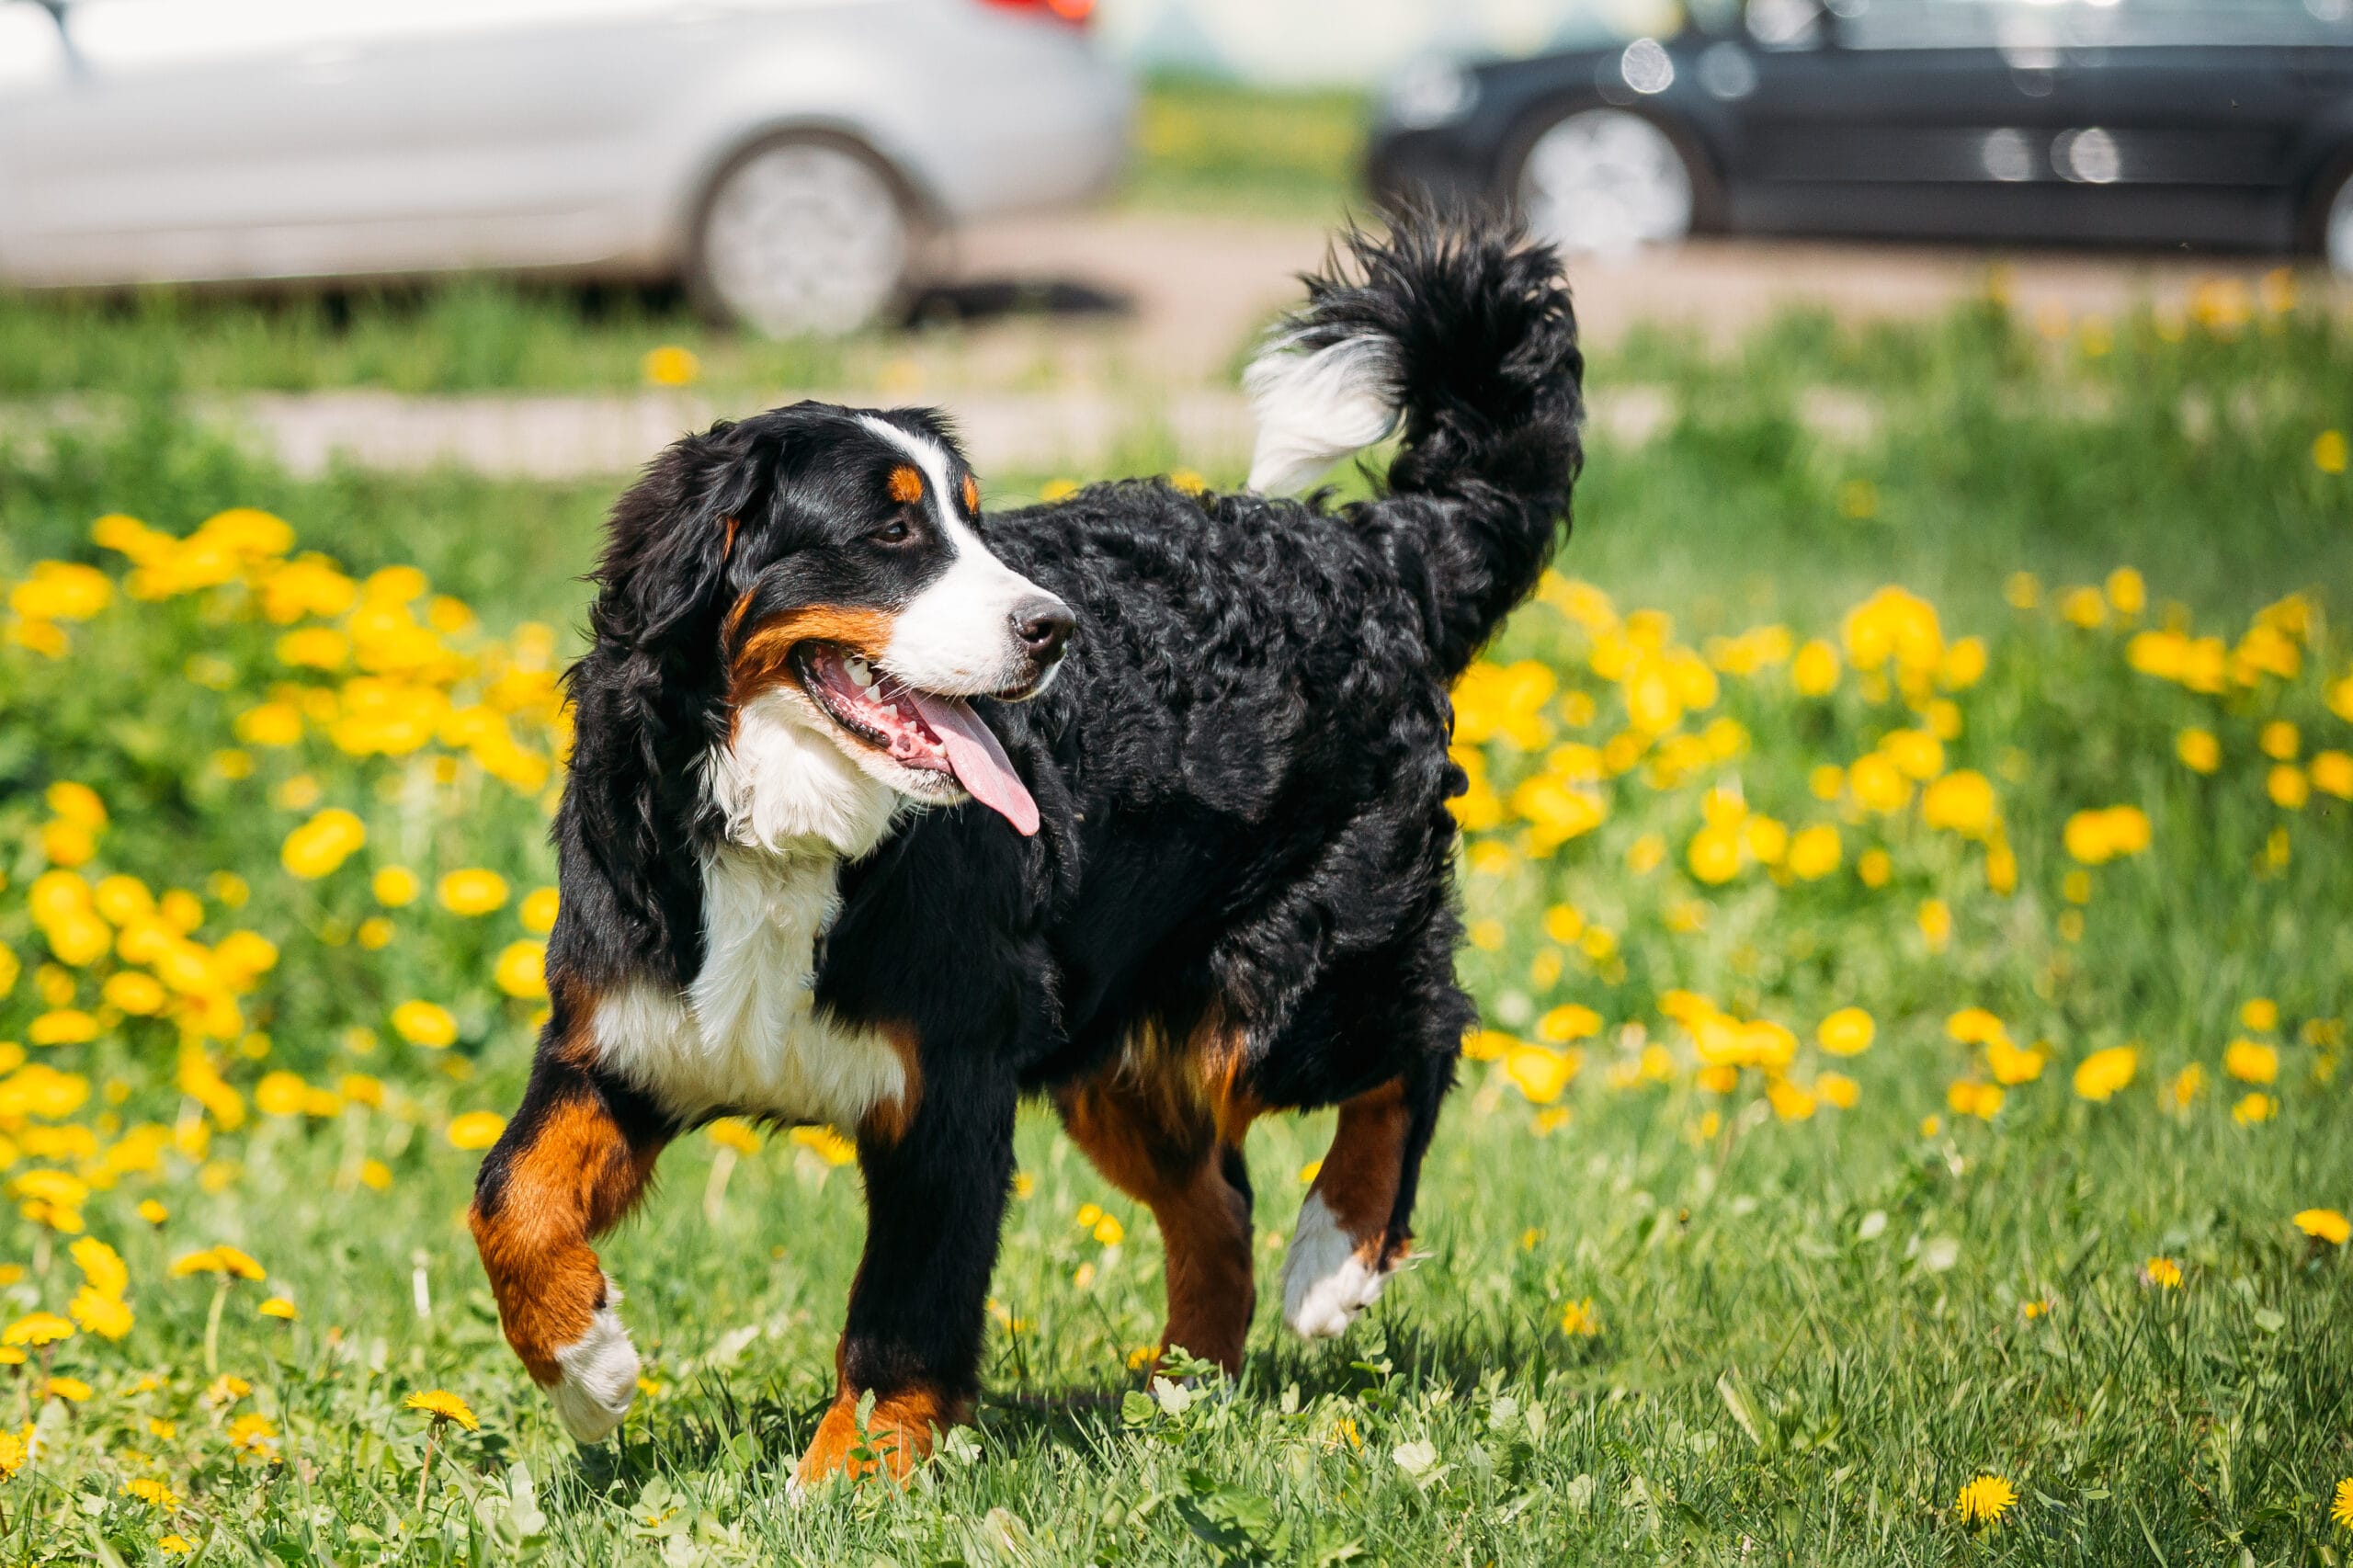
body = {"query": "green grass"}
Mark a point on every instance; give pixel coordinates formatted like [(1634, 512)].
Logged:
[(1811, 1332), (1219, 147)]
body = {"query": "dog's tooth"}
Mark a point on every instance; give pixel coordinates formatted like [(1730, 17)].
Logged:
[(862, 674)]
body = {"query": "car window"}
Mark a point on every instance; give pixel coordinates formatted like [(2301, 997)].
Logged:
[(2087, 24)]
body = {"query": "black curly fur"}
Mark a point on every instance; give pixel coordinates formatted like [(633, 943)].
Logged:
[(1242, 769), (1488, 378)]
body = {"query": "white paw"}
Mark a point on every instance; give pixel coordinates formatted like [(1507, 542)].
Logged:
[(599, 1376), (1326, 1284)]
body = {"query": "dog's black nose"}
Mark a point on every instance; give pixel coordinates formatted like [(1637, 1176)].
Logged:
[(1043, 626)]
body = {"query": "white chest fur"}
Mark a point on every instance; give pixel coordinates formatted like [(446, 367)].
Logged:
[(747, 1034)]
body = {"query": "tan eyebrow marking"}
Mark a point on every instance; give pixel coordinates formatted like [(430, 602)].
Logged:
[(972, 495), (906, 484), (727, 551)]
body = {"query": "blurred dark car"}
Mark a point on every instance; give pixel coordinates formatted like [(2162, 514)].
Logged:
[(2221, 124)]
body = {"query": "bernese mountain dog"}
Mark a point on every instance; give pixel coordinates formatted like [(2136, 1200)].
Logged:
[(884, 811)]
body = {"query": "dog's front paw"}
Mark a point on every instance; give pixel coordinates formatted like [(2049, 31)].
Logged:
[(599, 1377), (1326, 1280)]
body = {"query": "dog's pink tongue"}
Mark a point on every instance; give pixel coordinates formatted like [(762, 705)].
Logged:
[(979, 762)]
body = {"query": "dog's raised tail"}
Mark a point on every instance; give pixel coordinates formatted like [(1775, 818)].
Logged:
[(1461, 330)]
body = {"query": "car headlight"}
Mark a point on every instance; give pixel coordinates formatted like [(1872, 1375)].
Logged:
[(1429, 92)]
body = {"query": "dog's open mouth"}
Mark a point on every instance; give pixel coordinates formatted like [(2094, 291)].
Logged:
[(918, 730)]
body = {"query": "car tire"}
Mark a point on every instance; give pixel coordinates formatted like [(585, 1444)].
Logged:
[(1608, 180), (2333, 220), (802, 233)]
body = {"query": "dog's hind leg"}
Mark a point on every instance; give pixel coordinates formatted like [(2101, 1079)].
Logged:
[(1354, 1225), (572, 1164), (1151, 1129)]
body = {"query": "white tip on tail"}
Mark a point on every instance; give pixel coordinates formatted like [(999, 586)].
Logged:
[(599, 1377), (1316, 408), (1326, 1284)]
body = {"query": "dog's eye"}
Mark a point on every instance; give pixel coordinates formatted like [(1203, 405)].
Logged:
[(895, 531)]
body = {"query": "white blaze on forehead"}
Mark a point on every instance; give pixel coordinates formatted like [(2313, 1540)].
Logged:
[(955, 637)]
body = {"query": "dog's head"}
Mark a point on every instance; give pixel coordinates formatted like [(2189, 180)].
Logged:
[(817, 571)]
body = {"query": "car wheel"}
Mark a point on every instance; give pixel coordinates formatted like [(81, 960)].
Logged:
[(2337, 230), (1603, 179), (800, 234)]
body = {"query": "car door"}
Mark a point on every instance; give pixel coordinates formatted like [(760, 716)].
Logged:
[(202, 139), (1898, 118), (2187, 118)]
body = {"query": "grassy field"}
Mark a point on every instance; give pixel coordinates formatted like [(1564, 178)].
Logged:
[(1914, 1030)]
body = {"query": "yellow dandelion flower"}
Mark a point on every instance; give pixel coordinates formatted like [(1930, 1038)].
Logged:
[(252, 1434), (520, 971), (472, 892), (1541, 1074), (734, 1132), (2333, 771), (73, 1390), (1985, 1500), (395, 886), (2101, 1075), (537, 910), (2324, 1224), (1974, 1025), (37, 1329), (2341, 1511), (225, 1261), (280, 1307), (1579, 1321), (440, 1404), (2199, 750), (475, 1130), (155, 1493), (176, 1545), (827, 1144), (1109, 1232), (428, 1024), (107, 1316), (2162, 1273), (2254, 1108), (671, 366), (1813, 852), (323, 844), (2250, 1062)]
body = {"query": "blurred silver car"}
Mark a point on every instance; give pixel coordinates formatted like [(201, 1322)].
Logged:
[(791, 160)]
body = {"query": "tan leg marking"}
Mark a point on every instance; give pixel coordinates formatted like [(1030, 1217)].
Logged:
[(1157, 1126), (898, 1434), (575, 1179)]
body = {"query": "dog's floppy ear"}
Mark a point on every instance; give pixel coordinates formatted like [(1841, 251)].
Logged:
[(672, 538), (649, 696)]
